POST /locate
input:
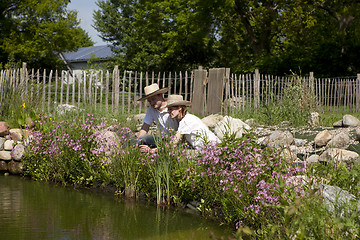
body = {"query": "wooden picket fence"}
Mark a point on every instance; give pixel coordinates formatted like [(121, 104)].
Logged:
[(210, 91)]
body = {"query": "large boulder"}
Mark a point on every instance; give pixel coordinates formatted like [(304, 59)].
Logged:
[(107, 140), (139, 118), (230, 125), (4, 129), (18, 152), (15, 168), (336, 199), (17, 134), (8, 145), (279, 139), (5, 155), (338, 123), (350, 121), (65, 108), (322, 138), (314, 120), (341, 140), (211, 120), (340, 156), (3, 166)]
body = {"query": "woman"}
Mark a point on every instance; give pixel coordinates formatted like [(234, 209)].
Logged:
[(195, 132)]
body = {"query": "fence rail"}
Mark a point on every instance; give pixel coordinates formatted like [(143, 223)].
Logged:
[(210, 91)]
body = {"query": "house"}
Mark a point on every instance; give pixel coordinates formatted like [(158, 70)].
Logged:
[(84, 58), (79, 60)]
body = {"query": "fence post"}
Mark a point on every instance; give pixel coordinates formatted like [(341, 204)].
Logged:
[(198, 100), (357, 91), (312, 85), (116, 79), (256, 88), (23, 78)]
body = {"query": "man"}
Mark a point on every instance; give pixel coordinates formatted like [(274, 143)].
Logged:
[(157, 113)]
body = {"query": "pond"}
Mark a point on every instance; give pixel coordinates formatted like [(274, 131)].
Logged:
[(34, 210)]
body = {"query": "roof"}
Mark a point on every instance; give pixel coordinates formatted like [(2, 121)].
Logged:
[(84, 54)]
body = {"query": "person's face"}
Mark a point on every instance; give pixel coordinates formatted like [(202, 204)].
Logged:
[(156, 101), (174, 111)]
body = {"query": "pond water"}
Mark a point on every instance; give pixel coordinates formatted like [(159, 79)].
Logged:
[(34, 210)]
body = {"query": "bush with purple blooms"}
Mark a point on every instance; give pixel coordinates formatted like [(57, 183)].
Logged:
[(240, 181), (66, 151)]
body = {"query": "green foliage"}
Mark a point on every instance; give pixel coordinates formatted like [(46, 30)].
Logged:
[(154, 35), (338, 175), (36, 30), (306, 218), (125, 167), (66, 152), (17, 109), (275, 37), (294, 106)]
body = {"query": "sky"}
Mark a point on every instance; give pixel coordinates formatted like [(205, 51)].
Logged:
[(85, 10)]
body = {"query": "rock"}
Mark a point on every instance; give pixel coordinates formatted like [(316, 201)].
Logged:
[(350, 121), (251, 122), (64, 108), (336, 199), (16, 134), (314, 120), (15, 168), (262, 141), (5, 155), (2, 141), (338, 123), (139, 118), (313, 159), (18, 152), (341, 140), (300, 142), (339, 156), (3, 166), (322, 138), (357, 134), (230, 125), (211, 120), (8, 145), (108, 141), (279, 139), (4, 129)]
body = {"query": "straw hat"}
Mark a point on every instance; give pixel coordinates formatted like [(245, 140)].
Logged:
[(152, 90), (177, 100)]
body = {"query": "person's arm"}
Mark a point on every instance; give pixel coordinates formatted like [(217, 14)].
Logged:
[(144, 130), (177, 138)]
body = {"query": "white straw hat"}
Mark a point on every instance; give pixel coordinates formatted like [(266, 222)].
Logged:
[(152, 90), (177, 100)]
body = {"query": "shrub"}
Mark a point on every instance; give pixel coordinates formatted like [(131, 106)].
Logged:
[(244, 181), (66, 151)]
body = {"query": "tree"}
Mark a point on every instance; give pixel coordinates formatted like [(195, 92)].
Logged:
[(155, 35), (276, 36), (37, 29)]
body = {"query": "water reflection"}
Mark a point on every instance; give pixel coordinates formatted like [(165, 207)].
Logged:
[(32, 210)]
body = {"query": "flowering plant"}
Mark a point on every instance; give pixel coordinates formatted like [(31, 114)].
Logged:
[(240, 180), (66, 151)]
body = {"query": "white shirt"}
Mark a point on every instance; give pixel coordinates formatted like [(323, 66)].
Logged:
[(162, 119), (195, 131)]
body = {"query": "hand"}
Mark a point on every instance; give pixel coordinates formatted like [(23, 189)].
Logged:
[(144, 148)]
